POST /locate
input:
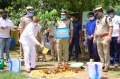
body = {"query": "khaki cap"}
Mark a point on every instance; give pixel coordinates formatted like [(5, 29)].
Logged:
[(63, 11), (29, 7), (98, 8)]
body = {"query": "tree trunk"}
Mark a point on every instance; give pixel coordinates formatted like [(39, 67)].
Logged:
[(82, 9)]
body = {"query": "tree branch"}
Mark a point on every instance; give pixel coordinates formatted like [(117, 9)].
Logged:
[(71, 1)]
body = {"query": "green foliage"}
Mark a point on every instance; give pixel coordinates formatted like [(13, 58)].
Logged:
[(17, 7), (46, 18)]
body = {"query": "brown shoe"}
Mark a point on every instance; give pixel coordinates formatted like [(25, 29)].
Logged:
[(52, 59), (28, 70), (105, 69)]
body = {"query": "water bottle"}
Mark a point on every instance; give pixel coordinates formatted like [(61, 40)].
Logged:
[(91, 60)]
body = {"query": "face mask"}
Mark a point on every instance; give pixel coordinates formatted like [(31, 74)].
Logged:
[(91, 18), (111, 15), (97, 16), (4, 16), (31, 14), (35, 24), (63, 17)]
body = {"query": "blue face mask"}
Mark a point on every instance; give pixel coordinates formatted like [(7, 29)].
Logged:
[(31, 14), (63, 17), (111, 15)]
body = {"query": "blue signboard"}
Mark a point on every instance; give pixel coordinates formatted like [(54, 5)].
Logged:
[(62, 33)]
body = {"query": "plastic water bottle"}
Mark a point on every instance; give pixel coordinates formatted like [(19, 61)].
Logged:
[(91, 60)]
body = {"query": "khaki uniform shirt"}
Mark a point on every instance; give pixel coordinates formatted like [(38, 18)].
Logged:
[(102, 26), (25, 20), (65, 23), (52, 31)]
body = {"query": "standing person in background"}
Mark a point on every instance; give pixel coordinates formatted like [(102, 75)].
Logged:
[(63, 43), (103, 32), (51, 31), (90, 28), (25, 20), (28, 41), (115, 43), (82, 46), (5, 26), (42, 41), (77, 36)]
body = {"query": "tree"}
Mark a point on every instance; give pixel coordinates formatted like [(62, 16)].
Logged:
[(16, 8), (5, 3)]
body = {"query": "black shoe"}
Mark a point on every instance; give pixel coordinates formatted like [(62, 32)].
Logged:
[(103, 67), (69, 59), (76, 60)]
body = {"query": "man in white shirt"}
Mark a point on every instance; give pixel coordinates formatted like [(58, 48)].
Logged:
[(115, 43), (25, 20), (28, 41), (5, 26)]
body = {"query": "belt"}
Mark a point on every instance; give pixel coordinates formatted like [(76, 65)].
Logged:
[(103, 35), (51, 36)]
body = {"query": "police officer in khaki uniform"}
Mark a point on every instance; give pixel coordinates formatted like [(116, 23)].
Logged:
[(103, 33), (42, 41), (63, 44), (52, 40), (25, 20)]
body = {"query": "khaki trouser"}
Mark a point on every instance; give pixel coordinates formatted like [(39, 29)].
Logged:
[(21, 50), (62, 47), (103, 51), (82, 48), (53, 48)]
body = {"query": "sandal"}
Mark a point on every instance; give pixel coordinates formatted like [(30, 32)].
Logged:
[(60, 65), (66, 64), (28, 70)]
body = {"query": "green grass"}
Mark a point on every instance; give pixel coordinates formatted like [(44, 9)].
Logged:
[(11, 75), (114, 73)]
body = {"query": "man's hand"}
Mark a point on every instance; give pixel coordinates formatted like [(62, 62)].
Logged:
[(90, 37), (81, 40), (118, 40), (109, 39), (48, 30), (41, 46), (55, 40), (94, 40), (70, 40)]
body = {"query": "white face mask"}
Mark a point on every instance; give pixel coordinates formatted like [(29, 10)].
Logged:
[(111, 15), (91, 18), (35, 24)]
